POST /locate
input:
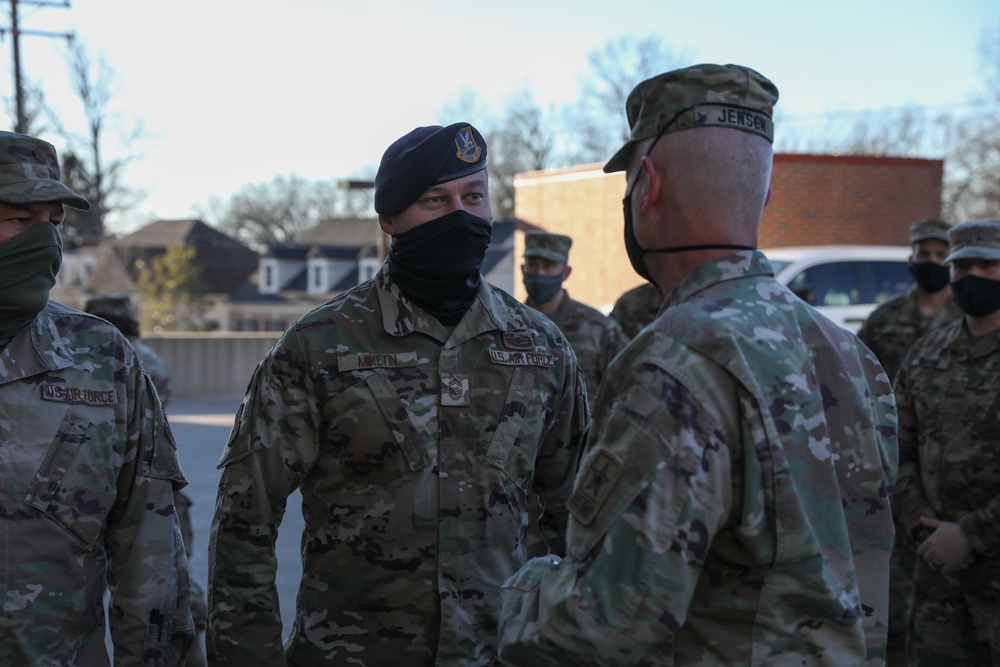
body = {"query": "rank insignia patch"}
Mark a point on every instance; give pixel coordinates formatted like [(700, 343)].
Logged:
[(454, 390)]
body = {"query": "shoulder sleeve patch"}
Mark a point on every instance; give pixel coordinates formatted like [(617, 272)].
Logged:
[(596, 482)]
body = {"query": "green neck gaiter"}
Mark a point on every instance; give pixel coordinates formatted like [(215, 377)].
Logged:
[(28, 266)]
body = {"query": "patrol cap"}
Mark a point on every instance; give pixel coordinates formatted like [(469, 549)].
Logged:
[(29, 173), (553, 247), (976, 239), (704, 95), (931, 228), (117, 309), (424, 157)]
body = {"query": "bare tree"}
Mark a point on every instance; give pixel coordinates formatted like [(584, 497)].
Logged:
[(35, 108), (972, 174), (520, 139), (596, 123), (520, 142), (86, 168), (263, 214), (902, 132)]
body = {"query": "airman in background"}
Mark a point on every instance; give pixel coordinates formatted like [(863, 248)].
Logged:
[(119, 310), (948, 492), (890, 331), (595, 338), (636, 308)]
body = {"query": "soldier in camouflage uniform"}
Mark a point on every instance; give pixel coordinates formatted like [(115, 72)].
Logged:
[(889, 332), (89, 465), (893, 327), (595, 338), (419, 414), (948, 492), (732, 507), (119, 311), (637, 307)]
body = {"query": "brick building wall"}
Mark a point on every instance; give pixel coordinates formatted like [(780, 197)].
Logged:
[(815, 200), (824, 200)]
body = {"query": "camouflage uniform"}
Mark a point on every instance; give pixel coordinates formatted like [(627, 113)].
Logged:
[(156, 367), (90, 468), (949, 427), (416, 452), (892, 328), (732, 507), (637, 307), (119, 310), (595, 339), (890, 331)]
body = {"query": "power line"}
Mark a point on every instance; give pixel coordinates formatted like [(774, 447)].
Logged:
[(16, 31)]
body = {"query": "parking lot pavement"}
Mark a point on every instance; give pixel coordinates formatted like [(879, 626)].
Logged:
[(201, 427)]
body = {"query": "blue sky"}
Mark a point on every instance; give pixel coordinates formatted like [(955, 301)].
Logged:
[(236, 91)]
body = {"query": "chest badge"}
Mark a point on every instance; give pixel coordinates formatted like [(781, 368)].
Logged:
[(454, 390)]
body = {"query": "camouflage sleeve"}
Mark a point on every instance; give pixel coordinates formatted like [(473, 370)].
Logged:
[(909, 497), (652, 491), (147, 572), (558, 456), (614, 342), (982, 527), (270, 451)]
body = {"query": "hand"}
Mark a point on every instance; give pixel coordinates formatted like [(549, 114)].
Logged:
[(947, 547)]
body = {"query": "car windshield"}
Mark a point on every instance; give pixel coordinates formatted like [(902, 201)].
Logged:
[(778, 265)]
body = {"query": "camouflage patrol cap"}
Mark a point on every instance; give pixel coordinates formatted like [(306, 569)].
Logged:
[(29, 173), (704, 95), (424, 157), (117, 309), (553, 247), (931, 228), (976, 239)]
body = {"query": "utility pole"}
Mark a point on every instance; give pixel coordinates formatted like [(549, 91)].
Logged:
[(16, 32)]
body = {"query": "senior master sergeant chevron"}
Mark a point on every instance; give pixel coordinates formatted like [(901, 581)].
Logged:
[(733, 504), (418, 413), (88, 463)]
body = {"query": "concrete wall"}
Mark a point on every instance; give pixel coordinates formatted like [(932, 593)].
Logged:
[(214, 362)]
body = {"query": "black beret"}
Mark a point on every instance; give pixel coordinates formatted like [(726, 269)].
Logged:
[(422, 158)]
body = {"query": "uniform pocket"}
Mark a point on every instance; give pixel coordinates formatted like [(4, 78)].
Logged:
[(510, 450), (75, 485)]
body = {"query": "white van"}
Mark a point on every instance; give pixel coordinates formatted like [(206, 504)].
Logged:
[(843, 282)]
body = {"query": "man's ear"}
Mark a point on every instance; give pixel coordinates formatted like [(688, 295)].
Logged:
[(385, 222), (569, 270), (654, 184)]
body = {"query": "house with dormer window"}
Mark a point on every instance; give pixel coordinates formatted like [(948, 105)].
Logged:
[(295, 277)]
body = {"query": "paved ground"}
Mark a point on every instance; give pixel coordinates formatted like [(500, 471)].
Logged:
[(201, 426)]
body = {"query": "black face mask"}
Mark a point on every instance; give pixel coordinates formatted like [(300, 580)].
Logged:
[(542, 289), (931, 277), (635, 251), (976, 296), (436, 264)]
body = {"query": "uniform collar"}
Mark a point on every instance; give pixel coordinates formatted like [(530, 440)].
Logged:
[(39, 348), (740, 264), (402, 317)]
